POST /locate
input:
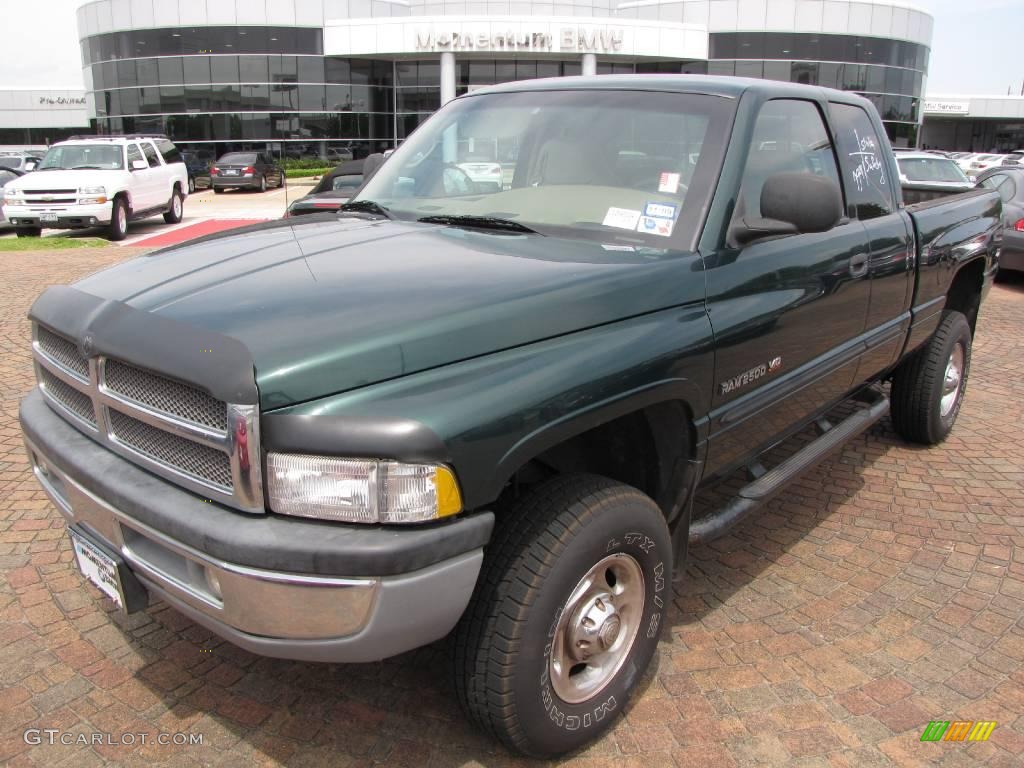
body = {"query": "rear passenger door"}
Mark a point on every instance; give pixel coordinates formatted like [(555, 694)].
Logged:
[(873, 198), (787, 313), (157, 190)]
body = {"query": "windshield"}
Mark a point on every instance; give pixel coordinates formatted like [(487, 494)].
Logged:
[(929, 169), (632, 166), (107, 157)]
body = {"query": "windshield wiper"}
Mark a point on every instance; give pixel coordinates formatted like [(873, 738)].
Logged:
[(479, 222), (365, 206), (52, 168), (87, 168)]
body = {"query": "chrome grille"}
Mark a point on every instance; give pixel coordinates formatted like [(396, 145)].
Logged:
[(77, 402), (63, 351), (204, 463), (165, 395), (173, 429)]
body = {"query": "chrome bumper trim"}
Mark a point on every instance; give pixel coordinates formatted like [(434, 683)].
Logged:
[(257, 602)]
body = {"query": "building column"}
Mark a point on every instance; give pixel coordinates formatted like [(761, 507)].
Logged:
[(589, 63), (447, 77)]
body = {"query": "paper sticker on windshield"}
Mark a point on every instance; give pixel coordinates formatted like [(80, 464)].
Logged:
[(626, 248), (650, 225), (621, 218), (660, 210), (669, 183)]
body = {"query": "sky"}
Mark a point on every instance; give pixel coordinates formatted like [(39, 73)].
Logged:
[(975, 48)]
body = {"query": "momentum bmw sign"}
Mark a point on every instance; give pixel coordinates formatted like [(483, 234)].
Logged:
[(515, 35)]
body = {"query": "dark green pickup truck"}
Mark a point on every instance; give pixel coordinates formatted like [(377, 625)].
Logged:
[(483, 408)]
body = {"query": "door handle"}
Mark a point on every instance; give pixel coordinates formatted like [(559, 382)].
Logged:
[(859, 265)]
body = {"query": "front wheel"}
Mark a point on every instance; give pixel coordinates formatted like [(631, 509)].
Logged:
[(263, 183), (566, 614), (191, 184), (118, 228), (928, 387)]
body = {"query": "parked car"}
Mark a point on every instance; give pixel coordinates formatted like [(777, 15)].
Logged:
[(331, 192), (981, 163), (19, 161), (486, 415), (339, 154), (485, 175), (7, 175), (925, 176), (198, 171), (1009, 183), (99, 181), (246, 170)]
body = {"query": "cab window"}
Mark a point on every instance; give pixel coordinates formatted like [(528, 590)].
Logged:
[(862, 153), (151, 156), (133, 154), (789, 137)]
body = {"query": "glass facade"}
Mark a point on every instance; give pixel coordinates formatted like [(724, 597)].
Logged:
[(253, 86), (241, 87), (889, 73)]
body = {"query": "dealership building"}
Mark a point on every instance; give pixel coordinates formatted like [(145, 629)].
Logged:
[(301, 74)]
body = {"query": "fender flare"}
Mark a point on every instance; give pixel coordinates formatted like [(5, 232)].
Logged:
[(584, 419)]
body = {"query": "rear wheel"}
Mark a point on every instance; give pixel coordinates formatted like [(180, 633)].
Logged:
[(176, 207), (928, 387), (29, 231), (263, 183), (191, 184), (218, 190), (118, 228), (566, 614)]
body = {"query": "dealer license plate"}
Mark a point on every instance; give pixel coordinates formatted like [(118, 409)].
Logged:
[(48, 218), (98, 568)]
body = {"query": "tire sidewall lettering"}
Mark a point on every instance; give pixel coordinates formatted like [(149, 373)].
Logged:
[(590, 714)]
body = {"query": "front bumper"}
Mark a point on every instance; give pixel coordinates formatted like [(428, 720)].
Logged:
[(288, 588), (67, 217)]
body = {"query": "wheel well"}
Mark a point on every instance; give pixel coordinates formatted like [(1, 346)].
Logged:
[(648, 449), (964, 294), (124, 196)]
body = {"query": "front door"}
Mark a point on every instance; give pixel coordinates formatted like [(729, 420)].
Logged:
[(786, 312)]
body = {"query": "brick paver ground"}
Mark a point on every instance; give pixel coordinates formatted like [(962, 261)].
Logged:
[(883, 591)]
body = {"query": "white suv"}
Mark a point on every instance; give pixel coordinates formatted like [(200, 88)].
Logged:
[(91, 181)]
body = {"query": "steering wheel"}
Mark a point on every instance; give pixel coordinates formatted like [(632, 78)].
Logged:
[(456, 181)]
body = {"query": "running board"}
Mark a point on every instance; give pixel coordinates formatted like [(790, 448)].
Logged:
[(763, 488)]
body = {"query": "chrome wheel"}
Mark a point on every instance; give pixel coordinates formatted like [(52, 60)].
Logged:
[(122, 219), (952, 381), (597, 627), (176, 205), (191, 185)]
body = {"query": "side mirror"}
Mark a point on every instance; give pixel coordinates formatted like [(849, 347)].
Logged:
[(792, 203), (139, 165)]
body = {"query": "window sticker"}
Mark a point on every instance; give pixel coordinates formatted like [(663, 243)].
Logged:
[(626, 248), (649, 225), (669, 183), (660, 210), (621, 218)]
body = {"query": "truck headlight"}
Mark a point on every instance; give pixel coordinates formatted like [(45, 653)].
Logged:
[(92, 195), (359, 490)]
